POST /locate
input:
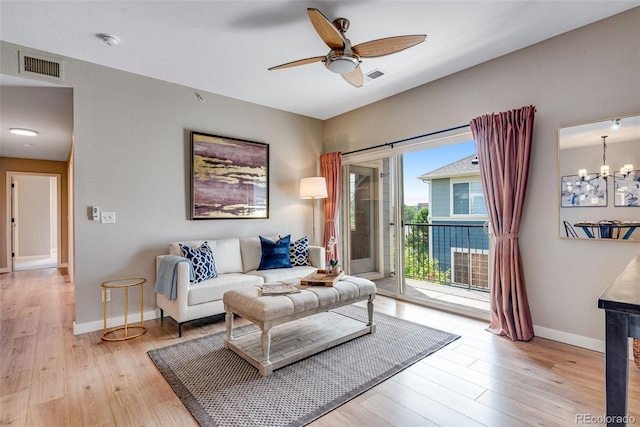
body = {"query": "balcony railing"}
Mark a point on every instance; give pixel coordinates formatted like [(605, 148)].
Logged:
[(447, 254)]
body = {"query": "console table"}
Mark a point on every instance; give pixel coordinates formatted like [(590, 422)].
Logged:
[(621, 302)]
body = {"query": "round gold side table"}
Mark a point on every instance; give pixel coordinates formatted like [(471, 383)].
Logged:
[(123, 284)]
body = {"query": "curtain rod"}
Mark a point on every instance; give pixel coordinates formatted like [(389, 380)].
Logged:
[(391, 144)]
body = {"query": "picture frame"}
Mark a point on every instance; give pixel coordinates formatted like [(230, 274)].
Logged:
[(229, 178), (579, 192), (627, 189)]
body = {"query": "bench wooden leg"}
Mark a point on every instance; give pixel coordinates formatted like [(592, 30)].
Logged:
[(228, 320), (370, 314), (266, 368), (266, 346)]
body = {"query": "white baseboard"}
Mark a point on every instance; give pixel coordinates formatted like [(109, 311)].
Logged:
[(98, 325), (567, 338), (4, 270), (577, 340)]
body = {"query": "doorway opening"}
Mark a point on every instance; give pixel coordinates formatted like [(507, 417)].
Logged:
[(35, 220)]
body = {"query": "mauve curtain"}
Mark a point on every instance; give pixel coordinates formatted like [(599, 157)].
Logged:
[(331, 169), (503, 143)]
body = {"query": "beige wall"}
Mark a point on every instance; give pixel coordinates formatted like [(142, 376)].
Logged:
[(33, 166), (588, 74), (131, 157)]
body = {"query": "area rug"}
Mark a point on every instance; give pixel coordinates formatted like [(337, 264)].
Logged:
[(220, 388)]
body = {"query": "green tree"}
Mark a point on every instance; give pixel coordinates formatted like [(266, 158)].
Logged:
[(409, 213), (416, 250), (417, 238), (418, 266), (423, 216)]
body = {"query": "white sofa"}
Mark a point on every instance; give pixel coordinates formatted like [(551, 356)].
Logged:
[(236, 261)]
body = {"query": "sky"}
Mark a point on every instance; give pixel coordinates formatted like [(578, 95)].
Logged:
[(420, 162)]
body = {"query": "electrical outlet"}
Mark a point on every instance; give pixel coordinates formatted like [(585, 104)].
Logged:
[(108, 218), (108, 296)]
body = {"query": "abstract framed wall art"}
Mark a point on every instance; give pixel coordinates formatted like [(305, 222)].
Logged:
[(627, 187), (589, 191), (229, 178)]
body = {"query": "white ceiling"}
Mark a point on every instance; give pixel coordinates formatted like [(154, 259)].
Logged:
[(587, 134), (226, 47)]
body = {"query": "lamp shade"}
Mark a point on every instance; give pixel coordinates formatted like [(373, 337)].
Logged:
[(313, 188)]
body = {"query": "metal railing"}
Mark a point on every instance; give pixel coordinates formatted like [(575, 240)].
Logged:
[(447, 254)]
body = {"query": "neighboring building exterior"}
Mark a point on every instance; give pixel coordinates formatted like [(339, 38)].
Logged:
[(457, 214)]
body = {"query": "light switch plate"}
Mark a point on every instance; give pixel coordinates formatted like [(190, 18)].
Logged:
[(108, 218)]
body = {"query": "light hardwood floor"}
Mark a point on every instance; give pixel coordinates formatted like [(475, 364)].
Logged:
[(49, 377)]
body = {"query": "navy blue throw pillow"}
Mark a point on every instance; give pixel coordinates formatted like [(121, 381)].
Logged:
[(275, 254), (202, 260)]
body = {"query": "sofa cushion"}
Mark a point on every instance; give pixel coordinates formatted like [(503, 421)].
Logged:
[(251, 251), (283, 274), (214, 289), (226, 252), (275, 254), (299, 252), (202, 260)]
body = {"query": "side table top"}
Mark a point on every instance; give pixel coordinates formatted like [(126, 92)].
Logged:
[(123, 283)]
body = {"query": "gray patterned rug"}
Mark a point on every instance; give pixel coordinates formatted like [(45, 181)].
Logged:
[(220, 389)]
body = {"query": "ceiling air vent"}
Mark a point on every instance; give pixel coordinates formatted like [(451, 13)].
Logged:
[(372, 75), (42, 67)]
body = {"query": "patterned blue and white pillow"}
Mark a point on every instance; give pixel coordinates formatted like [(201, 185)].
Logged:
[(202, 260), (299, 252)]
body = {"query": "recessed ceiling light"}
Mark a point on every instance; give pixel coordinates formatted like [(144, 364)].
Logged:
[(23, 132)]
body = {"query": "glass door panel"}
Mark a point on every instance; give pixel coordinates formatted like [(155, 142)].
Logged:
[(363, 233), (369, 220)]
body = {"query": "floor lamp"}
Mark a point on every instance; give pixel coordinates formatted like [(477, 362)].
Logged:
[(313, 188)]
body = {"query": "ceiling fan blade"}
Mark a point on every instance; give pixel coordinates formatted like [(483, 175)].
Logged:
[(387, 46), (298, 62), (354, 77), (325, 29)]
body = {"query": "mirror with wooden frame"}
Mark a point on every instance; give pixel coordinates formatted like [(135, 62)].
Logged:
[(599, 179)]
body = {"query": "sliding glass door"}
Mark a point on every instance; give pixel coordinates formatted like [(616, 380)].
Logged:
[(415, 223)]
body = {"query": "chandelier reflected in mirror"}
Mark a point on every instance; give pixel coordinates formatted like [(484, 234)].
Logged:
[(604, 169)]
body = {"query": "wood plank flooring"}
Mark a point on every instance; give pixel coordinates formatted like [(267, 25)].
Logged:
[(49, 377)]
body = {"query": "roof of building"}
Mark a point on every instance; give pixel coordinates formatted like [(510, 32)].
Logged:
[(465, 166)]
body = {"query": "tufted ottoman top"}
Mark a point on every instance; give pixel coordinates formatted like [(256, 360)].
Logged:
[(250, 302)]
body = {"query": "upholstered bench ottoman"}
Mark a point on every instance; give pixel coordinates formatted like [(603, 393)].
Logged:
[(295, 326)]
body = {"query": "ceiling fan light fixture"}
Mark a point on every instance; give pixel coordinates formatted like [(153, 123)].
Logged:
[(341, 63)]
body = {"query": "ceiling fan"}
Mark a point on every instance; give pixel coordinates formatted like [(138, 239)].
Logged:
[(343, 58)]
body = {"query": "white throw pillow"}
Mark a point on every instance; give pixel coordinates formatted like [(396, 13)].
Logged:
[(226, 252)]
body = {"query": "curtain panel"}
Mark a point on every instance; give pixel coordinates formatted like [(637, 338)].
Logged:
[(331, 170), (503, 143)]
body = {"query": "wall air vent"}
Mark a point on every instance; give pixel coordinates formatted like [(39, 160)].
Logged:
[(42, 67), (372, 75)]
